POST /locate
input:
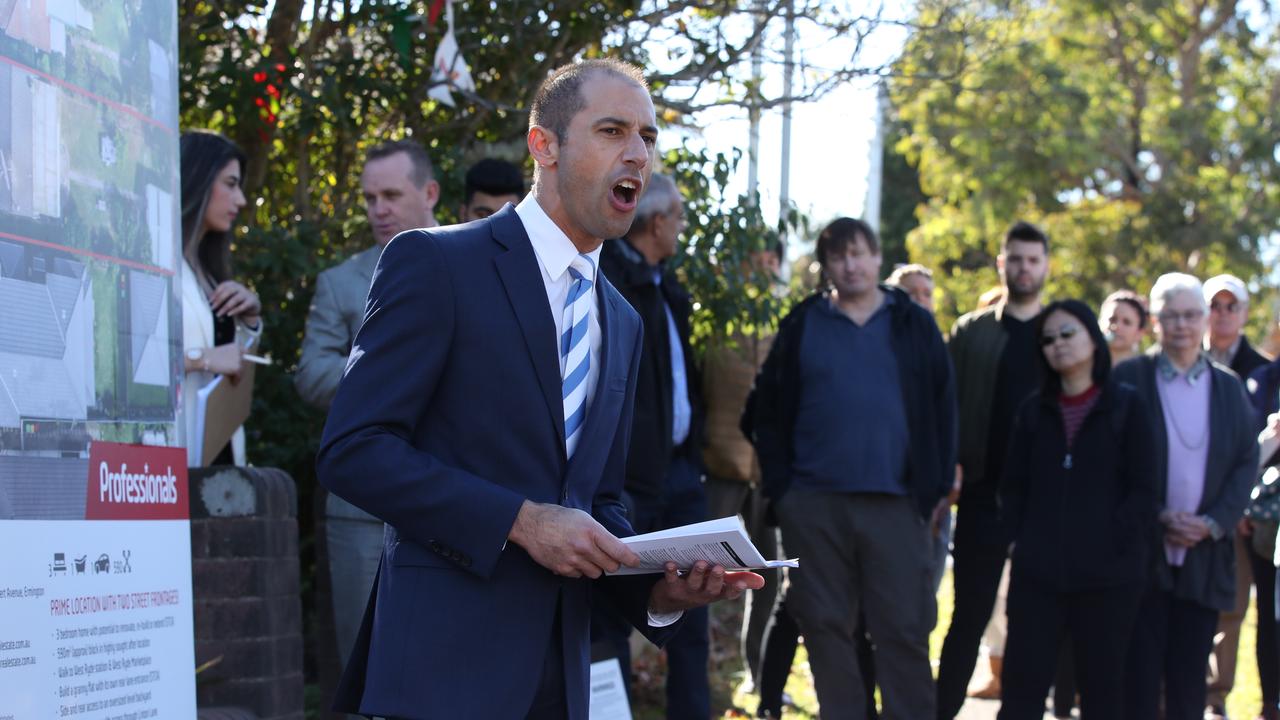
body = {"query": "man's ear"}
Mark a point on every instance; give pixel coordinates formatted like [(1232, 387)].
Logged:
[(1000, 262), (543, 146), (432, 191)]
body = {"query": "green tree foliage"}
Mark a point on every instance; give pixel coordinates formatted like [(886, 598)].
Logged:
[(1141, 135), (732, 297), (306, 87), (900, 197)]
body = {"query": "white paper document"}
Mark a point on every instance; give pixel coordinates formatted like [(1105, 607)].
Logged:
[(608, 693), (195, 444), (723, 542)]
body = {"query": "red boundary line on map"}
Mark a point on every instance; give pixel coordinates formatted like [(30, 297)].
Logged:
[(82, 91), (89, 253)]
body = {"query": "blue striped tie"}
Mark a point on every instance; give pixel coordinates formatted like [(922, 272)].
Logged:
[(575, 347)]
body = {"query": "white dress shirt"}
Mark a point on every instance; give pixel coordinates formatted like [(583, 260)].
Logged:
[(555, 252)]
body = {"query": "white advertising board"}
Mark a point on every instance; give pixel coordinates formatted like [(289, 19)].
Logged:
[(95, 566)]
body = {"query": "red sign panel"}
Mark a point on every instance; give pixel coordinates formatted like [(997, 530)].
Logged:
[(137, 482)]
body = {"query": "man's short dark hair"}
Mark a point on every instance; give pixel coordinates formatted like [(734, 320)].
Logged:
[(1023, 231), (423, 171), (835, 238), (560, 96), (492, 176)]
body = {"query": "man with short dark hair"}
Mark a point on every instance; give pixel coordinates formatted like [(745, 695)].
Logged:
[(995, 354), (855, 427), (490, 184), (400, 192), (484, 416)]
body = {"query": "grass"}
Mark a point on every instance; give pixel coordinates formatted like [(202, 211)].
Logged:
[(727, 675)]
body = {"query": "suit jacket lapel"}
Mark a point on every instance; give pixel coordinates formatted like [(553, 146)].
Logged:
[(518, 269)]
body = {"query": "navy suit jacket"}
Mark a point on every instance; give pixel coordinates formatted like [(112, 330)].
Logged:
[(449, 416)]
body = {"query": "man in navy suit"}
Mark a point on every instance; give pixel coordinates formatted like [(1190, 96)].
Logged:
[(484, 416)]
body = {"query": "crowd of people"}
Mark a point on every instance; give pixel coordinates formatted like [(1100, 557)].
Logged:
[(1116, 488)]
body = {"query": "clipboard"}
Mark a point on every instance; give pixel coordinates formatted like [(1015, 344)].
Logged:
[(221, 408)]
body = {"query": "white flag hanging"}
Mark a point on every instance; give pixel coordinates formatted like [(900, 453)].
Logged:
[(449, 67)]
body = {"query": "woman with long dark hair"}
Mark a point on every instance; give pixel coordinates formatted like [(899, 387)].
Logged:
[(1079, 497), (220, 317)]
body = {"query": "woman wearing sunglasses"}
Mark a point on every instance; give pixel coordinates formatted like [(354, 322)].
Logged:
[(1079, 498)]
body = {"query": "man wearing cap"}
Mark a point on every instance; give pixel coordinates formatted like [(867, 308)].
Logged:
[(1228, 301)]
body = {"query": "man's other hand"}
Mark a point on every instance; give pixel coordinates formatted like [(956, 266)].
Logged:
[(704, 584), (568, 542)]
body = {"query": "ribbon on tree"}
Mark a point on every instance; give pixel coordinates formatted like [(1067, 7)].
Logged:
[(449, 68)]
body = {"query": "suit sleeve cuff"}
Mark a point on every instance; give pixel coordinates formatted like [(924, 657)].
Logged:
[(661, 620)]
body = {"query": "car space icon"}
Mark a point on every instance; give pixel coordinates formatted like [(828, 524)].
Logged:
[(102, 564)]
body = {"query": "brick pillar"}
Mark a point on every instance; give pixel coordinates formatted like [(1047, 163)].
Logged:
[(247, 590)]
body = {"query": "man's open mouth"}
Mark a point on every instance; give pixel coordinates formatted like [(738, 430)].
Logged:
[(624, 195)]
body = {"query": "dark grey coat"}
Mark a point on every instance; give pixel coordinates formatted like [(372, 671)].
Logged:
[(1208, 574)]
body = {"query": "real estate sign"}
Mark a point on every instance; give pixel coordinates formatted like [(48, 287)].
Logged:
[(95, 573)]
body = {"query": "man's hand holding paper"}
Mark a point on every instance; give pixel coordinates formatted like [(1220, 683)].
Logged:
[(702, 585)]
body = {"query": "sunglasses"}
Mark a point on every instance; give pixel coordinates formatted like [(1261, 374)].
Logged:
[(1065, 333)]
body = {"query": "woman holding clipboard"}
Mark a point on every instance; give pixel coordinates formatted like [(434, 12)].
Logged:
[(221, 318)]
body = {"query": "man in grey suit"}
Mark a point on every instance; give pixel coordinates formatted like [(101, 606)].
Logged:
[(400, 193)]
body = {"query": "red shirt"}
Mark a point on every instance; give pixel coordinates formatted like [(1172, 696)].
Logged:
[(1075, 408)]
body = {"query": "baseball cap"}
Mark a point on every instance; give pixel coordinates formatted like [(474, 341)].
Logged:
[(1230, 283)]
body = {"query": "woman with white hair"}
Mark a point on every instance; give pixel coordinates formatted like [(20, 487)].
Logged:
[(1205, 461)]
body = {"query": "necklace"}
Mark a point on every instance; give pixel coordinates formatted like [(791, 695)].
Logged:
[(1177, 428)]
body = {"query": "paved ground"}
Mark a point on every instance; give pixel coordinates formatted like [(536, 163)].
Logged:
[(986, 710)]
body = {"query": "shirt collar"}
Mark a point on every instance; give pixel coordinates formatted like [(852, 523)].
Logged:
[(885, 304), (1169, 373), (552, 246), (1223, 358)]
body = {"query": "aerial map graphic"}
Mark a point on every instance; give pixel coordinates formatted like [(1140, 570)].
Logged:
[(89, 315)]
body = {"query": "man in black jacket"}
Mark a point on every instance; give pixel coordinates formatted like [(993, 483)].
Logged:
[(664, 464), (997, 366), (1226, 344), (855, 425)]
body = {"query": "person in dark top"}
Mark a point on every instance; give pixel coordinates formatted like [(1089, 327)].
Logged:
[(1078, 496), (1225, 343), (997, 366), (663, 480), (855, 430)]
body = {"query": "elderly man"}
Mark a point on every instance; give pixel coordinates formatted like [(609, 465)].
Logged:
[(664, 468), (1226, 344), (1206, 461)]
